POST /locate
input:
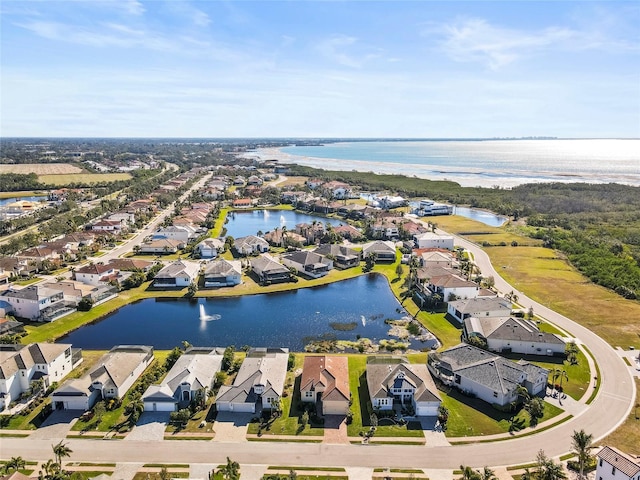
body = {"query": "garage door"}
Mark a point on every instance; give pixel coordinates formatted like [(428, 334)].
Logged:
[(427, 410), (243, 407), (334, 408)]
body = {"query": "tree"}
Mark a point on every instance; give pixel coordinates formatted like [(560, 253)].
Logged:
[(192, 290), (488, 474), (61, 450), (164, 474), (231, 471), (399, 270), (558, 373), (304, 420), (535, 408), (469, 473), (581, 443), (135, 409), (443, 416), (571, 351), (15, 463), (547, 469)]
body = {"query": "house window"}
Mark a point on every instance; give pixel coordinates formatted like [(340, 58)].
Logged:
[(600, 462), (308, 394), (613, 471), (495, 394)]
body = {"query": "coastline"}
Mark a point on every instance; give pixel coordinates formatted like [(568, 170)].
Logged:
[(464, 176)]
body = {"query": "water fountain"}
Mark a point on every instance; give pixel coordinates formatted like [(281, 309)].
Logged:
[(204, 317)]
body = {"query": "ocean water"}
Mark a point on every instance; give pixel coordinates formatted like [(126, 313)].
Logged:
[(486, 163)]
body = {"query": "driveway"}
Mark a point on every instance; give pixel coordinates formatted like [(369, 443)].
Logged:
[(231, 426), (150, 427), (335, 429), (57, 425)]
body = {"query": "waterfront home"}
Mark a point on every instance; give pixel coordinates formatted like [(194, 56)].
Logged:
[(308, 263), (325, 383), (513, 335), (347, 231), (192, 375), (178, 274), (242, 203), (312, 232), (209, 247), (430, 257), (388, 202), (338, 190), (433, 240), (353, 210), (222, 273), (280, 237), (446, 283), (384, 251), (95, 273), (343, 257), (485, 375), (269, 270), (74, 292), (614, 464), (259, 383), (7, 326), (38, 303), (481, 307), (111, 377), (22, 364), (250, 245), (393, 381)]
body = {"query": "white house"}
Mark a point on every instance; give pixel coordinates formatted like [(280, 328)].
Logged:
[(480, 307), (394, 380), (390, 201), (95, 274), (112, 226), (182, 233), (449, 286), (38, 303), (124, 218), (209, 247), (223, 273), (513, 335), (22, 364), (486, 375), (111, 377), (259, 382), (192, 374), (384, 251), (614, 464), (180, 273), (250, 245), (162, 245), (433, 240)]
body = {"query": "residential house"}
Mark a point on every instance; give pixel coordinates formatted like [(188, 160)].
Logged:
[(513, 335), (131, 265), (338, 190), (433, 240), (74, 292), (308, 263), (22, 364), (111, 377), (9, 327), (435, 257), (390, 201), (312, 232), (393, 381), (268, 270), (488, 376), (178, 274), (209, 247), (446, 283), (314, 183), (38, 303), (258, 384), (384, 251), (353, 210), (347, 231), (325, 382), (183, 233), (95, 274), (242, 203), (162, 245), (223, 273), (193, 374), (280, 237), (250, 245), (343, 257), (111, 226), (613, 464), (125, 218), (482, 307)]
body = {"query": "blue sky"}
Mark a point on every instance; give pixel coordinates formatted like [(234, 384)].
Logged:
[(134, 68)]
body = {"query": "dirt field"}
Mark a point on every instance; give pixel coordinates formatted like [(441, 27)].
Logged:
[(41, 168), (59, 180)]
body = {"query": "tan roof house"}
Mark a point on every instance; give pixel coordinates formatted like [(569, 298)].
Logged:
[(325, 381)]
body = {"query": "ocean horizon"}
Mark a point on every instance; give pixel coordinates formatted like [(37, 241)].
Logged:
[(476, 163)]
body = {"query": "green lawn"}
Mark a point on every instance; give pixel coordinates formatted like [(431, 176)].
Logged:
[(28, 281), (30, 421), (473, 417)]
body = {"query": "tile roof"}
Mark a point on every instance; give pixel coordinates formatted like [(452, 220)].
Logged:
[(626, 463)]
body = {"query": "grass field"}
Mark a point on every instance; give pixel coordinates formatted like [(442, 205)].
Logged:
[(41, 168), (544, 275), (66, 179), (24, 193), (627, 436)]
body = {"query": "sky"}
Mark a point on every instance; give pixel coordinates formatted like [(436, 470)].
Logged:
[(415, 69)]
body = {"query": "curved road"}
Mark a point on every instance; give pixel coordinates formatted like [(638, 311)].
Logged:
[(610, 408)]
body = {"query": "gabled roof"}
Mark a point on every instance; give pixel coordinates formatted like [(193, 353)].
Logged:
[(379, 246), (336, 250), (383, 374), (305, 257), (519, 329), (179, 268), (249, 240), (626, 463), (223, 267), (329, 373), (95, 269), (482, 304), (266, 263), (22, 357)]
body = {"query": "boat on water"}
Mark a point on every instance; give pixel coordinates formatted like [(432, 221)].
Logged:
[(427, 208)]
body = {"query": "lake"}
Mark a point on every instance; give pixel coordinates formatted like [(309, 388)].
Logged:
[(7, 201), (241, 224), (284, 319), (483, 216)]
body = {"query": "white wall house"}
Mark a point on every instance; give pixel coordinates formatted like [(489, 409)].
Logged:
[(111, 377), (95, 274), (37, 303), (180, 273), (479, 308), (182, 233), (250, 244), (22, 364), (209, 247), (308, 263), (222, 273), (433, 240), (192, 374), (614, 464)]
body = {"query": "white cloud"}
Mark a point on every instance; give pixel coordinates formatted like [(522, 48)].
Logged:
[(477, 40), (334, 48)]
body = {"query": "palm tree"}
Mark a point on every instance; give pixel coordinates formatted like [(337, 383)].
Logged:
[(61, 450), (572, 352), (581, 445), (469, 473), (488, 474), (558, 373), (231, 471), (15, 463)]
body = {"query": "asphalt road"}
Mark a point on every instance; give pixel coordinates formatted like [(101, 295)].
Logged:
[(610, 408)]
